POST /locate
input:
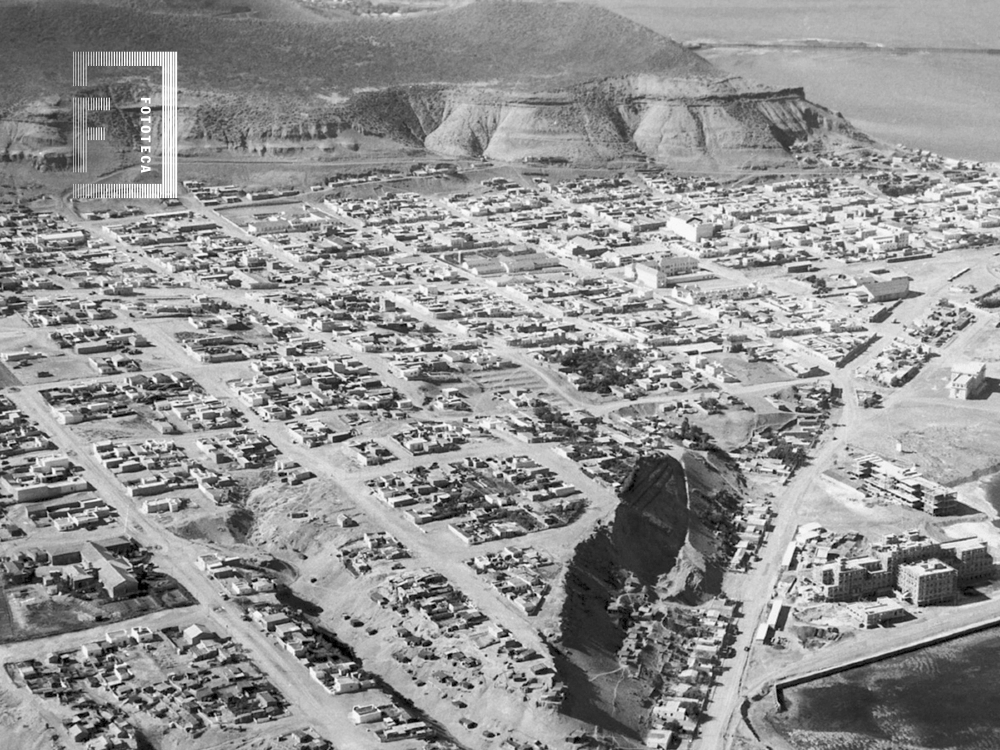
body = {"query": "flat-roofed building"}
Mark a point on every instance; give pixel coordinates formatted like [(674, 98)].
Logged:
[(970, 557), (690, 228), (873, 614), (665, 270), (878, 573), (847, 580), (885, 480), (967, 380), (928, 582), (63, 239)]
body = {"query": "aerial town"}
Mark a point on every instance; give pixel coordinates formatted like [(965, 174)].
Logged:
[(475, 455)]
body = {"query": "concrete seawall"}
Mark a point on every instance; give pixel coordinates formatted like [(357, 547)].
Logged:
[(933, 640)]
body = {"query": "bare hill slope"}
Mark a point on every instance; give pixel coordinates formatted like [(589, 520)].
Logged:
[(499, 78)]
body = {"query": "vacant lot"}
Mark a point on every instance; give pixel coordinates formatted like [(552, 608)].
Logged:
[(33, 613), (751, 373), (943, 438)]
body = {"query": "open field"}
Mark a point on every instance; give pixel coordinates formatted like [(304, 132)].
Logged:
[(940, 438)]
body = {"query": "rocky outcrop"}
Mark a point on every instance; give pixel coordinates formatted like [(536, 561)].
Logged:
[(670, 531)]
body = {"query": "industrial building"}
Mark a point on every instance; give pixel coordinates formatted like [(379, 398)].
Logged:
[(874, 289)]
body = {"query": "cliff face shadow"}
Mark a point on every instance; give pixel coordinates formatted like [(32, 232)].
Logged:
[(583, 701), (661, 539)]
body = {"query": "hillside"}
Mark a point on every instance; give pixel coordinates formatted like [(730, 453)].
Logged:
[(530, 44), (669, 532), (501, 79)]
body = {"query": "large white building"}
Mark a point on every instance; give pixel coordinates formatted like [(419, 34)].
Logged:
[(690, 228), (967, 380), (668, 267), (876, 289)]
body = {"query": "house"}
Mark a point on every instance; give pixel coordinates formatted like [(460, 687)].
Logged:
[(346, 684), (270, 620), (114, 574), (195, 634), (15, 573), (141, 634), (675, 712), (287, 630), (117, 637), (269, 702), (368, 714), (93, 649), (659, 738)]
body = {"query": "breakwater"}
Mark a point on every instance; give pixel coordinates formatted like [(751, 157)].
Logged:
[(933, 640), (932, 693)]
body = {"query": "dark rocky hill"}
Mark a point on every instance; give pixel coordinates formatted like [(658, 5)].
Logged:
[(671, 533)]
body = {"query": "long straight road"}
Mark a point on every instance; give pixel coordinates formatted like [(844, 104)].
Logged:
[(756, 590), (176, 556)]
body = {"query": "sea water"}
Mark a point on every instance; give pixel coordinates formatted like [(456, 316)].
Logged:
[(945, 696), (944, 95)]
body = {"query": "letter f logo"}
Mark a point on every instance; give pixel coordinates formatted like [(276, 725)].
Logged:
[(82, 133)]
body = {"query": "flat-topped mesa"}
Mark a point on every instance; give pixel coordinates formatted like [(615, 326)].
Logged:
[(674, 122)]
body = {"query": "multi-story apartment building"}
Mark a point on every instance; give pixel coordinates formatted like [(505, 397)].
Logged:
[(885, 480), (970, 557), (878, 574), (928, 582)]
